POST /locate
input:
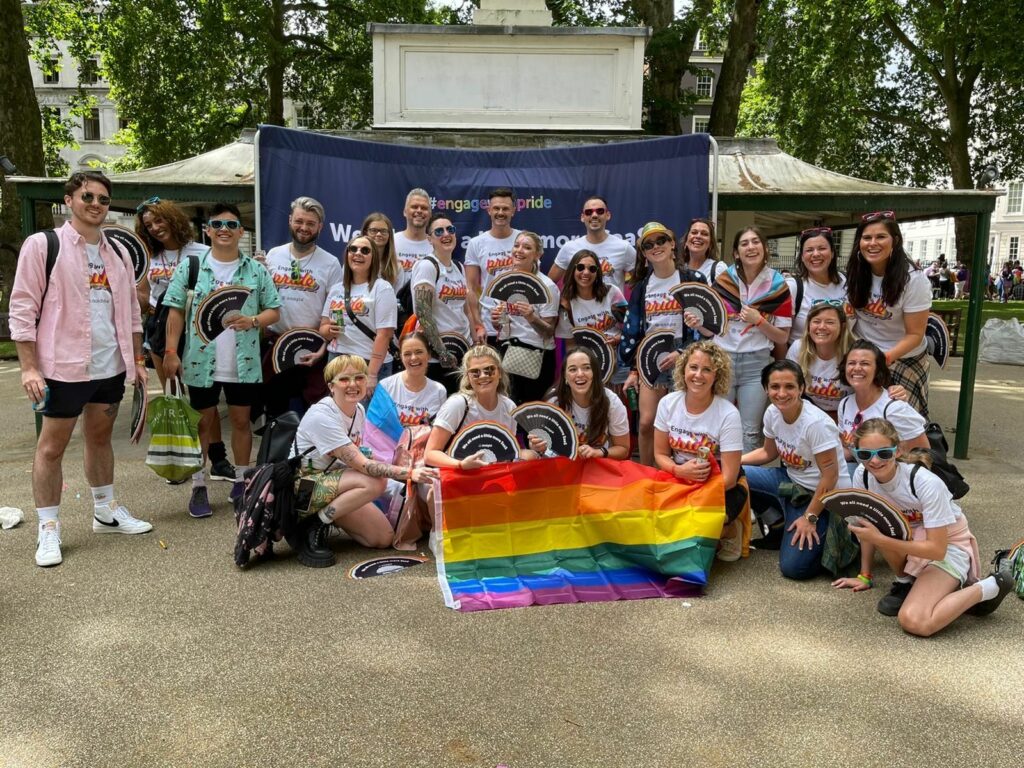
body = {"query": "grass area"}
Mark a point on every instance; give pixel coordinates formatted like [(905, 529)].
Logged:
[(989, 310), (7, 351)]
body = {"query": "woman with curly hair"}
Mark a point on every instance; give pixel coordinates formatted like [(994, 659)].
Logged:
[(697, 422)]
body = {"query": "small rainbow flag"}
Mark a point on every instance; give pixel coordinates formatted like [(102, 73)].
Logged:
[(563, 531)]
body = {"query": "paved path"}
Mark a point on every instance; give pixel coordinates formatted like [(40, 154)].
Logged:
[(133, 655)]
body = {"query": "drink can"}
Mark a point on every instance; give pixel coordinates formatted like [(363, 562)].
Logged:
[(703, 453), (339, 317)]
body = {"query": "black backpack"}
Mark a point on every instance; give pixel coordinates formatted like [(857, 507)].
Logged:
[(941, 465), (406, 303), (156, 326)]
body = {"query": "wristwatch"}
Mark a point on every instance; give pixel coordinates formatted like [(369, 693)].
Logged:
[(811, 518)]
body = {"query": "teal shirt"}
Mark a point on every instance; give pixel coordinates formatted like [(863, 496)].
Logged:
[(200, 358)]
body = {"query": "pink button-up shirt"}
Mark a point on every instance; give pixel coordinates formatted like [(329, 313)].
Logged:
[(64, 335)]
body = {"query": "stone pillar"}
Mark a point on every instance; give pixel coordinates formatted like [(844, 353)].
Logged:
[(512, 13)]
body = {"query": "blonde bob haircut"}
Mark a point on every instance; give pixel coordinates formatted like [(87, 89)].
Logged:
[(482, 350), (340, 363), (720, 362)]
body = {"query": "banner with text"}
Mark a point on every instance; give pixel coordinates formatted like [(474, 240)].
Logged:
[(661, 179)]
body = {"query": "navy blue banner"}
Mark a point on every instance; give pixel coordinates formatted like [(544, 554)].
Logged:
[(663, 179)]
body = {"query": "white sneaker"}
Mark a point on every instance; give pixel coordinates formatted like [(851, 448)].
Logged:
[(731, 549), (121, 522), (48, 545)]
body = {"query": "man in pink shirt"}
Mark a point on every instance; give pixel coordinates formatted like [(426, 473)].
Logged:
[(79, 338)]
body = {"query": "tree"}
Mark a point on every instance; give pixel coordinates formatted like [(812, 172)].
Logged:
[(21, 137), (907, 91), (740, 51)]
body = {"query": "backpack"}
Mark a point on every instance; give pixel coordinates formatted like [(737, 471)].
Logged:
[(156, 326), (265, 512), (406, 303), (941, 465), (1015, 556), (52, 249)]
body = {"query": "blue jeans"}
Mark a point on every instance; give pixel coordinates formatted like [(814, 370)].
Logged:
[(746, 391), (798, 564)]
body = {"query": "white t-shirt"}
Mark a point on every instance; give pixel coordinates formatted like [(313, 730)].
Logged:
[(882, 324), (823, 384), (449, 284), (375, 308), (454, 408), (408, 253), (225, 368), (908, 422), (663, 312), (813, 432), (709, 270), (737, 339), (105, 356), (162, 266), (325, 428), (814, 293), (519, 327), (301, 298), (415, 407), (616, 256), (618, 419), (591, 313), (493, 256), (932, 508), (718, 428)]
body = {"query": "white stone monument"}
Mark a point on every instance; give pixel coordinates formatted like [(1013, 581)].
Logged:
[(509, 69)]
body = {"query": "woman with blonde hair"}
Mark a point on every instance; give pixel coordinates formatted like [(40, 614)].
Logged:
[(696, 422)]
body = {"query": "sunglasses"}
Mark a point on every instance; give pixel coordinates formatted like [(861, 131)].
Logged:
[(377, 232), (365, 250), (816, 231), (594, 211), (296, 270), (656, 243), (359, 378), (586, 268), (89, 197), (476, 373), (837, 303), (231, 224), (867, 218), (858, 419), (438, 231), (142, 206), (864, 455)]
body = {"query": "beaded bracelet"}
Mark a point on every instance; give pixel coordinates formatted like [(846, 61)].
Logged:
[(865, 578)]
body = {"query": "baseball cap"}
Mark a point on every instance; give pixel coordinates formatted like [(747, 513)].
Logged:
[(654, 228)]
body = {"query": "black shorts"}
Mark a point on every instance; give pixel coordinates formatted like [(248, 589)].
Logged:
[(68, 398), (235, 393)]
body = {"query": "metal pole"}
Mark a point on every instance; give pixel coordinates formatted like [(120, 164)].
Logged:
[(974, 306), (256, 188), (714, 181)]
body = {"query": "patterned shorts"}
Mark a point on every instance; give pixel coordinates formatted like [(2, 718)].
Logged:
[(315, 490)]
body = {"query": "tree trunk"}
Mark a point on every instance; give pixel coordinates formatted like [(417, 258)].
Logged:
[(21, 133), (739, 54), (276, 65), (960, 172)]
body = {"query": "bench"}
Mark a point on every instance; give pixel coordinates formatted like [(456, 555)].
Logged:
[(951, 317)]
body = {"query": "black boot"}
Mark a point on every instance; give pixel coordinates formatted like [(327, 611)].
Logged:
[(312, 540)]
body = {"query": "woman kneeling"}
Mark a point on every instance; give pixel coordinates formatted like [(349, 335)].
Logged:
[(344, 481)]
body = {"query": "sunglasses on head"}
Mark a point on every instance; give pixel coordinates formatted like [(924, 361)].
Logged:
[(865, 455), (142, 206), (816, 232), (868, 218), (439, 231), (837, 303), (358, 378), (365, 250), (89, 197), (594, 211), (231, 224), (655, 243), (586, 268), (487, 370)]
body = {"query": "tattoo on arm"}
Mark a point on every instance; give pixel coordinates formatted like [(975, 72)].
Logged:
[(380, 469), (424, 304), (543, 325)]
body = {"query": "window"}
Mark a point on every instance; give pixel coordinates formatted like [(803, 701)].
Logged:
[(910, 248), (705, 83), (700, 123), (698, 43), (1014, 195), (938, 247), (303, 117), (924, 249), (89, 72), (91, 126), (51, 76), (123, 123), (1014, 248)]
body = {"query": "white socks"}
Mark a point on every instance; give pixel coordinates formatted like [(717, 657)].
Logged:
[(989, 587), (48, 514)]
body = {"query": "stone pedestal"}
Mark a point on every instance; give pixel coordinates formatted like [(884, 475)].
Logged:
[(527, 13)]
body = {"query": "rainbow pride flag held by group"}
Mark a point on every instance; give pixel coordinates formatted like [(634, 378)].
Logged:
[(562, 531)]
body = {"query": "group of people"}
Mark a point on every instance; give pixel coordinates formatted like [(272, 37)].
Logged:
[(823, 371), (948, 282)]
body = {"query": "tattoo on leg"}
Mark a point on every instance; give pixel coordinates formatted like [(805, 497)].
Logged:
[(330, 512), (111, 410)]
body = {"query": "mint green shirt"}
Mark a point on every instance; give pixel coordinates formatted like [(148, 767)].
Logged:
[(200, 359)]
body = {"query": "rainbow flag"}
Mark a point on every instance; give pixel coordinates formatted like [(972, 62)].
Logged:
[(562, 531)]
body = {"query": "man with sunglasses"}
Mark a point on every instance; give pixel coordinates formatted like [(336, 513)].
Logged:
[(78, 331), (303, 274), (231, 361), (489, 254), (617, 257)]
